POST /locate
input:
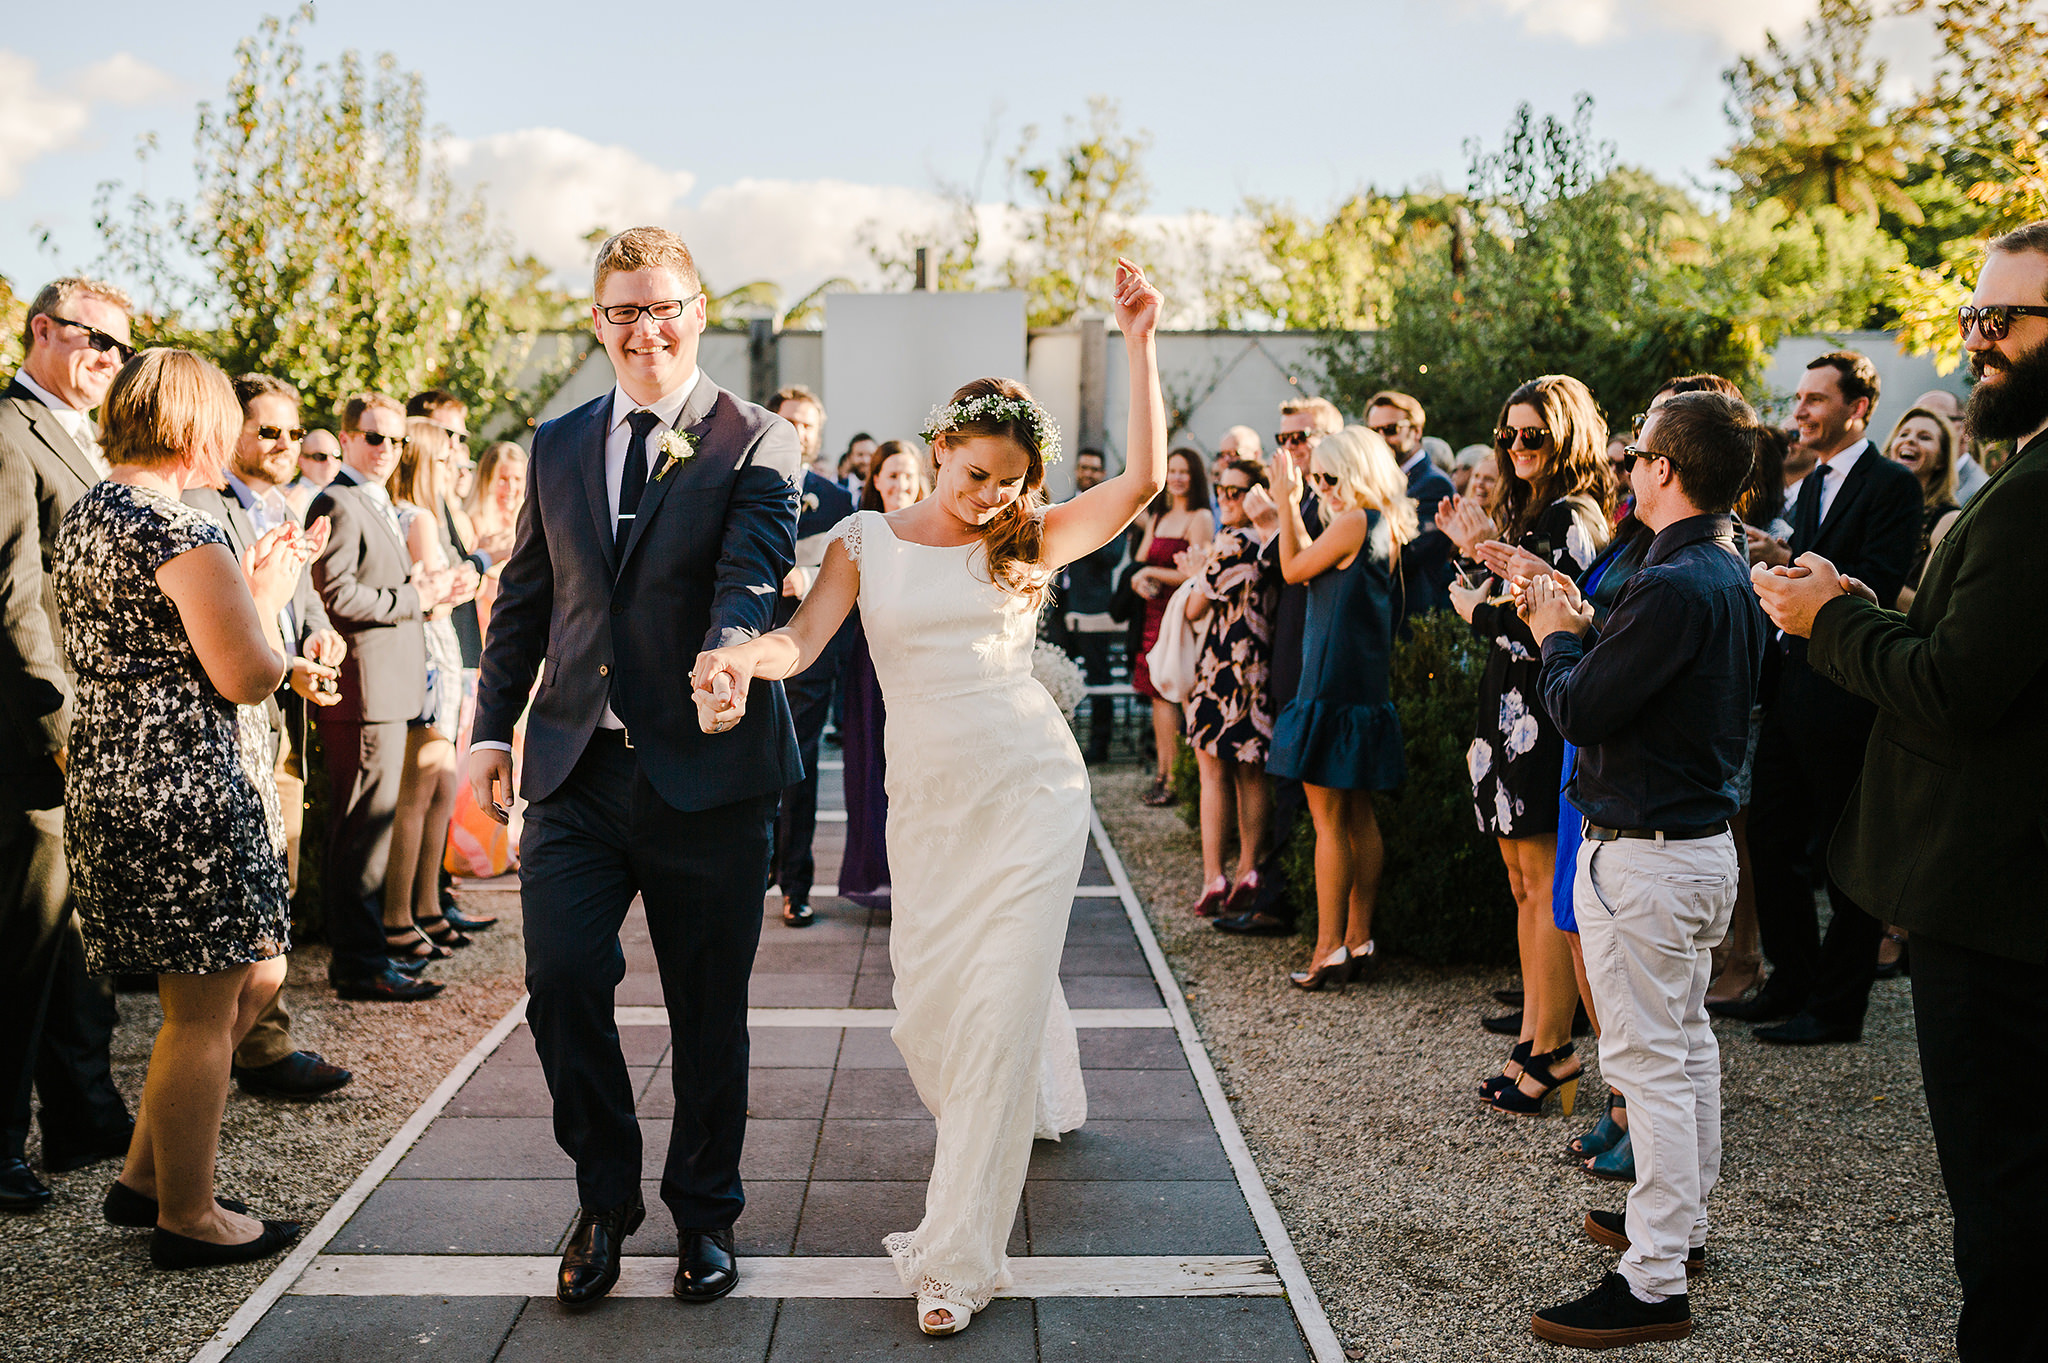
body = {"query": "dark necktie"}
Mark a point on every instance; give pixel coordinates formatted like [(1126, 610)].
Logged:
[(633, 477), (1811, 492)]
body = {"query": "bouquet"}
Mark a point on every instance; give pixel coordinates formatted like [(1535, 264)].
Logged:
[(1061, 676)]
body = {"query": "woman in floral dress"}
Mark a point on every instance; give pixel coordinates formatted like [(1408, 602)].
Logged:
[(1230, 715)]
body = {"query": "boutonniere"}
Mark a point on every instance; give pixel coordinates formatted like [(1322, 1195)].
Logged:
[(676, 446), (810, 501)]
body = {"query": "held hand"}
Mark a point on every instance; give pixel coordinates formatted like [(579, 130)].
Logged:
[(315, 682), (1767, 549), (490, 776), (1792, 596), (1464, 599), (1858, 587), (797, 583), (1138, 303), (1145, 584), (718, 684)]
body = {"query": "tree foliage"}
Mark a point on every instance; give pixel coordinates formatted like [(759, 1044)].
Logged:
[(1076, 213), (327, 244)]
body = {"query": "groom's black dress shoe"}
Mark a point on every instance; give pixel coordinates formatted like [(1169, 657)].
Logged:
[(798, 915), (20, 1189), (590, 1265), (707, 1270)]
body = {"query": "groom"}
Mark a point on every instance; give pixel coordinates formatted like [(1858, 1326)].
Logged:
[(659, 521)]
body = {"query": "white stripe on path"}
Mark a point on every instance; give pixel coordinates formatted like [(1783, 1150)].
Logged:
[(642, 1016)]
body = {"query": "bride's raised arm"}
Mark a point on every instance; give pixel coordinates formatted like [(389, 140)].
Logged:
[(782, 653), (1085, 523)]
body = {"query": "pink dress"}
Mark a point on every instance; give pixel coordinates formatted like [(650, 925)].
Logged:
[(1160, 555)]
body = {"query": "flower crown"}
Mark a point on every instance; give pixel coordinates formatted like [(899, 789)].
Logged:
[(996, 407)]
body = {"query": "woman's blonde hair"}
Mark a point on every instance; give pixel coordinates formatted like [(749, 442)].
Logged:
[(1014, 541), (1367, 476), (1577, 469), (417, 479), (495, 453), (1938, 478), (168, 407)]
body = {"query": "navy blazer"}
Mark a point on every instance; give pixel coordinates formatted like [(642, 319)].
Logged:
[(600, 622), (1426, 560)]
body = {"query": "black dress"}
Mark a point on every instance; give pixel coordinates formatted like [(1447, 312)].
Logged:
[(171, 821), (1516, 760), (1229, 713)]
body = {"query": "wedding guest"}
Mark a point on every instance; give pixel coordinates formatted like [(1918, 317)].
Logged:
[(1304, 423), (896, 480), (319, 461), (1970, 475), (1468, 459), (1551, 502), (1863, 512), (1658, 704), (1943, 835), (172, 828), (1924, 442), (1084, 591), (824, 504), (1340, 736), (1484, 483), (1241, 443), (1398, 419), (416, 928), (55, 1018), (380, 607), (248, 506), (494, 514), (1230, 718), (1177, 519), (857, 463)]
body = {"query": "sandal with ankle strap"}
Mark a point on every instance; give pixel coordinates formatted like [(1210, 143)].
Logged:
[(1604, 1136), (1510, 1074), (1512, 1099), (448, 935), (411, 944)]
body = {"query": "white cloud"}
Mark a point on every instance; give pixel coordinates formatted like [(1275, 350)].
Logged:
[(36, 119), (1738, 24)]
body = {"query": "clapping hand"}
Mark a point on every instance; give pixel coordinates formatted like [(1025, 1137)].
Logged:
[(1508, 562), (1138, 303), (314, 682), (1286, 480), (1466, 598), (1793, 595), (1466, 522), (271, 566), (1766, 548), (1550, 607), (1261, 509)]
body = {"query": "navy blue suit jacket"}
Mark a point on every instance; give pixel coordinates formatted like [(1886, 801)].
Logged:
[(1426, 560), (601, 622)]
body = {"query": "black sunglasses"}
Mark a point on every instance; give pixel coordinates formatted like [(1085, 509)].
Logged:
[(1226, 493), (1994, 320), (1323, 480), (1293, 438), (375, 438), (269, 433), (460, 437), (626, 314), (320, 458), (1529, 437), (1629, 455), (1387, 433), (101, 342)]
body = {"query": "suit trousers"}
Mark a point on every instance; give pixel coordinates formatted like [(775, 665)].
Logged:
[(796, 822), (1650, 913), (1804, 777), (1983, 1028), (601, 838), (1091, 651), (55, 1020), (365, 764)]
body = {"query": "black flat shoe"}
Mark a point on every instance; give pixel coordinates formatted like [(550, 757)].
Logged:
[(1611, 1229), (1508, 998), (406, 965), (1507, 1024), (138, 1211), (64, 1157), (707, 1269), (170, 1250), (1807, 1030), (1255, 925), (590, 1265), (20, 1189), (1611, 1316), (463, 922), (798, 915), (1766, 1005), (390, 986), (302, 1074)]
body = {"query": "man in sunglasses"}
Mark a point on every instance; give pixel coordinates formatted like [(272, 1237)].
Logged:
[(77, 338), (1398, 419), (1944, 835)]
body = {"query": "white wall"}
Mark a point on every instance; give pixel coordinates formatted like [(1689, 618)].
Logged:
[(889, 358), (1900, 378)]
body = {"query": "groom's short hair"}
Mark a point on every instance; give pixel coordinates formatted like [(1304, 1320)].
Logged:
[(644, 248)]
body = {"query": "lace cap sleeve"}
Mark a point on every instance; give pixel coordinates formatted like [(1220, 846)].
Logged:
[(847, 532)]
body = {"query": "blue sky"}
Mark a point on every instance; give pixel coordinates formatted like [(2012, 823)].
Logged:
[(771, 134)]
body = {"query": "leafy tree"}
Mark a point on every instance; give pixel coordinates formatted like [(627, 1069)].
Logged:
[(326, 244), (1309, 275), (13, 313), (1077, 214)]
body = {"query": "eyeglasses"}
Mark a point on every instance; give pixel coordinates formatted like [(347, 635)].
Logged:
[(626, 314), (319, 458), (1629, 455), (269, 433), (455, 433), (1388, 433), (101, 342), (1286, 438), (375, 438), (1995, 319), (1529, 437), (1323, 480), (1226, 493)]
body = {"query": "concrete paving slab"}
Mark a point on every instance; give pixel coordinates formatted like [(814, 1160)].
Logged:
[(1205, 1217), (642, 1330), (820, 1331), (1174, 1330), (1113, 1150), (876, 1150), (381, 1330), (461, 1216)]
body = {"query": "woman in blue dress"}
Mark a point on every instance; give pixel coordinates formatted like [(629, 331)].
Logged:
[(1339, 736)]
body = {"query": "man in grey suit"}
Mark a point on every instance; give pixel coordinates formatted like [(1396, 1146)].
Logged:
[(379, 606), (55, 1020), (660, 520)]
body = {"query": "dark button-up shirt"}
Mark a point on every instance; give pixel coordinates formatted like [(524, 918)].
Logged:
[(1658, 701)]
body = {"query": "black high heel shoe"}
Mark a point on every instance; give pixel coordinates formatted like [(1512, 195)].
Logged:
[(409, 945), (1540, 1068), (447, 936), (1336, 970), (1511, 1073), (1365, 962)]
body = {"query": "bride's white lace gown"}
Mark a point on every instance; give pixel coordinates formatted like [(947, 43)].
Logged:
[(988, 822)]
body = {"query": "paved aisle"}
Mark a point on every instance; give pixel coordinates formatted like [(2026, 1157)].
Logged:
[(1136, 1240)]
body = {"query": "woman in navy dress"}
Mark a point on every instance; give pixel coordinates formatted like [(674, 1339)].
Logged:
[(1340, 736)]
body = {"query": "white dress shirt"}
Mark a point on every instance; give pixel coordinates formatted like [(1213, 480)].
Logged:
[(1839, 464), (266, 513), (76, 424)]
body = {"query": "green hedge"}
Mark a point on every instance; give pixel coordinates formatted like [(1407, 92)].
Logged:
[(1445, 896)]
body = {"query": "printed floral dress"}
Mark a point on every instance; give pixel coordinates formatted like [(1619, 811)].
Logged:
[(1517, 757), (1230, 713), (171, 820)]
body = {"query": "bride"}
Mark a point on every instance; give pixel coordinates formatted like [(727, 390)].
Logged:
[(988, 796)]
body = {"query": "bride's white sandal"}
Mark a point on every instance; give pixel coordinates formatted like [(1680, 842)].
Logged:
[(960, 1315)]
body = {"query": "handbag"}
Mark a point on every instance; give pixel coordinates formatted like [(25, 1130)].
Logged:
[(1178, 649)]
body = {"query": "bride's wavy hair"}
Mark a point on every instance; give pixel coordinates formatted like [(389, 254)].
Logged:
[(1014, 541)]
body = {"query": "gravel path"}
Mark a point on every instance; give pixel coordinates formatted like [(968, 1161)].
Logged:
[(1432, 1227), (72, 1287)]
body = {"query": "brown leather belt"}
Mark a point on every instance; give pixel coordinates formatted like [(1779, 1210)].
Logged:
[(1677, 833)]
